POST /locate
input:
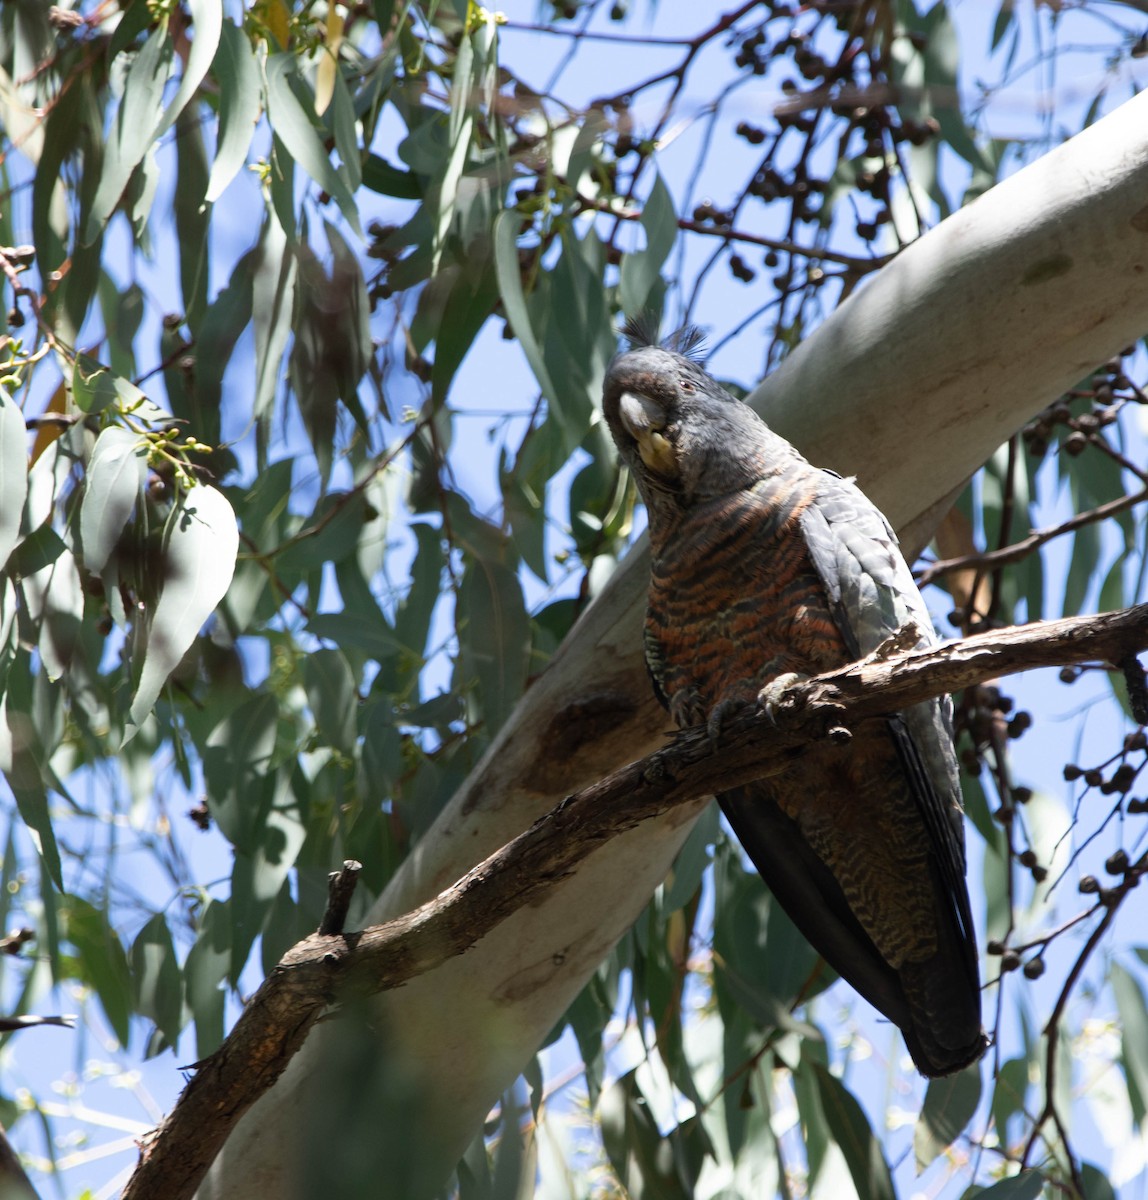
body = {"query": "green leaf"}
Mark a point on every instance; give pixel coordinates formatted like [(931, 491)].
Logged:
[(850, 1130), (237, 764), (1096, 1183), (693, 859), (1008, 1094), (386, 179), (506, 229), (295, 129), (382, 757), (342, 113), (220, 329), (38, 550), (207, 23), (282, 188), (372, 636), (1006, 16), (104, 963), (95, 388), (949, 1106), (436, 713), (459, 131), (1025, 1186), (117, 472), (333, 346), (272, 306), (140, 195), (54, 596), (123, 312), (156, 978), (204, 972), (192, 218), (813, 1124), (13, 472), (1133, 1028), (494, 637), (330, 534), (202, 540), (524, 509), (470, 302), (941, 63), (412, 620), (257, 878), (237, 74), (21, 755), (641, 270), (1086, 546), (644, 1161), (333, 698), (281, 929), (135, 126)]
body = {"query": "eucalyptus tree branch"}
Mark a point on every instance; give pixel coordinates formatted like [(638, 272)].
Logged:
[(323, 970)]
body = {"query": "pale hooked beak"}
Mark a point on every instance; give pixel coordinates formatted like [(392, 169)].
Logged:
[(644, 420)]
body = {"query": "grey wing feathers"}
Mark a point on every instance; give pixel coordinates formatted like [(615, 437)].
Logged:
[(859, 561), (872, 593)]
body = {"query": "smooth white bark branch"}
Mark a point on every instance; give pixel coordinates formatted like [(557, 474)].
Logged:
[(910, 385)]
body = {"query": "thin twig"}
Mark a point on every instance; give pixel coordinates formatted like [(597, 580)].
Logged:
[(1018, 550), (340, 888)]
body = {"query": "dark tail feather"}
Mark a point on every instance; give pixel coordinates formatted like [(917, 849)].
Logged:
[(943, 1033), (935, 1003)]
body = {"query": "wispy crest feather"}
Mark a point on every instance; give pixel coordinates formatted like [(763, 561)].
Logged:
[(642, 330)]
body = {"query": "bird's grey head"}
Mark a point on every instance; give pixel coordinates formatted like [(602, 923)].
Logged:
[(684, 437)]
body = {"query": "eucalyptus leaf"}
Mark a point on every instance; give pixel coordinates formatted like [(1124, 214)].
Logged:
[(851, 1132), (295, 127), (207, 20), (1133, 1012), (950, 1103), (204, 972), (333, 697), (117, 471), (156, 978), (494, 636), (136, 126), (641, 269), (237, 74), (22, 763), (1027, 1185), (201, 543), (103, 959), (13, 472)]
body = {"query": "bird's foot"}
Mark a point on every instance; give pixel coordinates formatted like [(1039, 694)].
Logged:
[(719, 714), (775, 696)]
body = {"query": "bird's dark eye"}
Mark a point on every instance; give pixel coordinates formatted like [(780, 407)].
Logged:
[(686, 386)]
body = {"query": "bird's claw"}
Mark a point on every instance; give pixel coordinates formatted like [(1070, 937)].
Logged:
[(718, 715), (775, 695)]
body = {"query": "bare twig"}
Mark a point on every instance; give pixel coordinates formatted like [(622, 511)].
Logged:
[(992, 559), (340, 889), (320, 971)]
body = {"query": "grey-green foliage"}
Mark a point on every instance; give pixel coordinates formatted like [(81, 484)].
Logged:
[(265, 546)]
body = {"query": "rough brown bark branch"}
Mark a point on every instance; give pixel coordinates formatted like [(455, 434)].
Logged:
[(322, 969)]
